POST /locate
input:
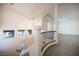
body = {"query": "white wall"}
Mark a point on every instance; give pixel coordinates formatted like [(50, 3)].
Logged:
[(47, 23), (69, 27), (68, 20), (12, 20)]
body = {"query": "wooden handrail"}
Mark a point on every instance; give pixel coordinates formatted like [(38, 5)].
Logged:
[(47, 44), (47, 31)]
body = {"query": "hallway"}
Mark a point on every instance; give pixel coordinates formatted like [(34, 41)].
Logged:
[(68, 46)]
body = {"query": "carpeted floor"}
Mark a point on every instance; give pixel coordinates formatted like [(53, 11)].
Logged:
[(68, 46)]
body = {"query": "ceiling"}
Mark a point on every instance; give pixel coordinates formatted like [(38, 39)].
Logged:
[(31, 10), (38, 10)]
